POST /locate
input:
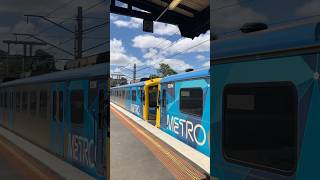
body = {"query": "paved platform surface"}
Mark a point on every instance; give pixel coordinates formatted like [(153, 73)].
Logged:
[(149, 153), (16, 164), (8, 170), (189, 153), (34, 162), (130, 158)]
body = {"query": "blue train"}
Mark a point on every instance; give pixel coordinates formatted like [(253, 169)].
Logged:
[(185, 108), (179, 105), (63, 112), (266, 96)]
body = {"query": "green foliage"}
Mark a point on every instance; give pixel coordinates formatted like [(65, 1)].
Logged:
[(165, 70)]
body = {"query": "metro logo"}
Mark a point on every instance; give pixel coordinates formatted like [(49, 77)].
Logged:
[(187, 129), (82, 150), (135, 108)]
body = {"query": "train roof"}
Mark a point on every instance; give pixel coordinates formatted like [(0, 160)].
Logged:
[(98, 70), (186, 75), (130, 85)]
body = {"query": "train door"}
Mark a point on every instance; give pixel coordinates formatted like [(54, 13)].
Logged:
[(163, 103), (98, 97), (153, 96), (81, 145), (11, 107), (151, 107), (57, 119)]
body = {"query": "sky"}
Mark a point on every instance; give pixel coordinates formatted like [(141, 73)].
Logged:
[(13, 21), (129, 45)]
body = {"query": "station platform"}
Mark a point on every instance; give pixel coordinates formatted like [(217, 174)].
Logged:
[(137, 153), (24, 160)]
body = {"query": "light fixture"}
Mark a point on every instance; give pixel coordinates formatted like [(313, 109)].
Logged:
[(174, 4)]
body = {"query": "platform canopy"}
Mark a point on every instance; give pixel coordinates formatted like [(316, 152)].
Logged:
[(191, 16)]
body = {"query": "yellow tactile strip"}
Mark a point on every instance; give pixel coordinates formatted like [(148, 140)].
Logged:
[(179, 167), (29, 167)]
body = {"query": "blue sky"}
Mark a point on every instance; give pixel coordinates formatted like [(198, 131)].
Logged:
[(129, 45)]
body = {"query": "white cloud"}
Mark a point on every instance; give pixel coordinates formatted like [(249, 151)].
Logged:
[(4, 29), (187, 45), (119, 56), (133, 23), (161, 29), (157, 50), (113, 17), (116, 46), (166, 47), (149, 41), (206, 64), (176, 64), (24, 27), (201, 57), (165, 29), (116, 70), (151, 53)]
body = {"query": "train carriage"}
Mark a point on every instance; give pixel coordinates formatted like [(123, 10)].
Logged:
[(130, 97), (185, 108), (266, 97), (63, 112)]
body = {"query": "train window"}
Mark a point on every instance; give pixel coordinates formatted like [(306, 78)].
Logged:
[(191, 101), (18, 101), (77, 107), (164, 98), (1, 99), (43, 104), (260, 125), (12, 100), (5, 99), (153, 95), (141, 96), (60, 106), (54, 105), (9, 100), (24, 101), (33, 102), (134, 96)]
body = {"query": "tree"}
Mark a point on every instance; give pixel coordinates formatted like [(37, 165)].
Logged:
[(118, 82), (165, 70)]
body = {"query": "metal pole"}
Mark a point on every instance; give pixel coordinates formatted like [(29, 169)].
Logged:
[(134, 72)]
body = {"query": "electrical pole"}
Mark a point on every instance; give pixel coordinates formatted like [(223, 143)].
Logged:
[(134, 72), (79, 33)]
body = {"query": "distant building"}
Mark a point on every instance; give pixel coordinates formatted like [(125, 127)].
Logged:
[(19, 66)]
